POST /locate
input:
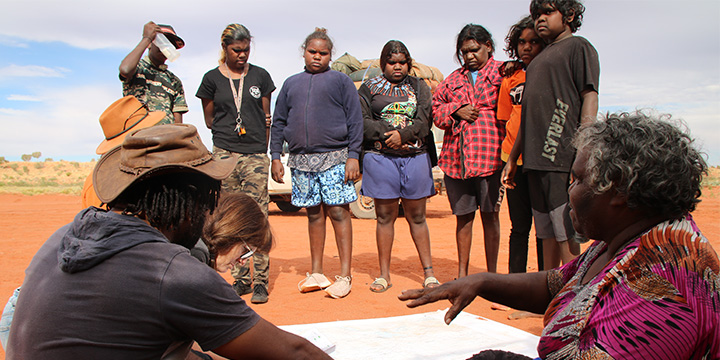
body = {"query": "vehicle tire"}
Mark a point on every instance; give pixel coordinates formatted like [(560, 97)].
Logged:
[(286, 206), (363, 207)]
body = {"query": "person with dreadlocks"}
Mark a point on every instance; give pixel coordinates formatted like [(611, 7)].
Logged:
[(121, 283)]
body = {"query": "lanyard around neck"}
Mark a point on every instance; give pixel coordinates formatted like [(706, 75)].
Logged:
[(237, 96)]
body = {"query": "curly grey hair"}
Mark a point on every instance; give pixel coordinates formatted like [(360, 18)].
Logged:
[(645, 157)]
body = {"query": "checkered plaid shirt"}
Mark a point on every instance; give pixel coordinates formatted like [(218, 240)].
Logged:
[(470, 149)]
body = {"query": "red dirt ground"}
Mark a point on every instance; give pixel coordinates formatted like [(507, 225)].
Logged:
[(27, 221)]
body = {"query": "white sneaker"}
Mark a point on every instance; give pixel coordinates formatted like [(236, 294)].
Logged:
[(313, 282), (340, 288)]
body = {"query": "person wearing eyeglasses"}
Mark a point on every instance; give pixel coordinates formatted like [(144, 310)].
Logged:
[(235, 231), (120, 283)]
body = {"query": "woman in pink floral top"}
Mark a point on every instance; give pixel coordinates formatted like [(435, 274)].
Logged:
[(649, 286)]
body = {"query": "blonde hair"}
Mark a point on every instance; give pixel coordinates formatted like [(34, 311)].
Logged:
[(237, 218), (232, 33)]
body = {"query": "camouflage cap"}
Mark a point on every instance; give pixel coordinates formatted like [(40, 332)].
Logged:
[(172, 36)]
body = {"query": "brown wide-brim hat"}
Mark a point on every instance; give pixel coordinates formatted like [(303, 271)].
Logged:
[(157, 150), (122, 117)]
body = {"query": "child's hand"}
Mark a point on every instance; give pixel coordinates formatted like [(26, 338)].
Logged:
[(468, 113), (510, 67), (394, 141), (277, 171), (508, 175), (352, 170), (150, 30)]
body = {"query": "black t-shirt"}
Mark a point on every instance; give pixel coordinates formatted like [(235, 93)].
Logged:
[(551, 102), (216, 87)]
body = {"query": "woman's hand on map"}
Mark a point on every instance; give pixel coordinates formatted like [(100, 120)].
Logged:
[(460, 293)]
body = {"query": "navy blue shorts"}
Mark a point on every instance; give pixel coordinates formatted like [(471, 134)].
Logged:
[(392, 177)]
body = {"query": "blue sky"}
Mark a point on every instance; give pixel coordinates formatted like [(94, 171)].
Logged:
[(59, 60)]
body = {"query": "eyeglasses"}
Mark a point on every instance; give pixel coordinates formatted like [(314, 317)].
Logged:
[(249, 252)]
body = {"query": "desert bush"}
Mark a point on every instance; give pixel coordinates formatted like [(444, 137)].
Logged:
[(39, 165), (36, 154), (26, 157)]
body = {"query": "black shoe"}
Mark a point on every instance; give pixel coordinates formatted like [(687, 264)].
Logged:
[(241, 288), (260, 294)]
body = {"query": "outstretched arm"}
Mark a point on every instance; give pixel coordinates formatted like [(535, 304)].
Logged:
[(266, 341), (526, 291), (128, 66)]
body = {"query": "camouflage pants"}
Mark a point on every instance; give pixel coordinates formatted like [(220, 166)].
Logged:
[(250, 177)]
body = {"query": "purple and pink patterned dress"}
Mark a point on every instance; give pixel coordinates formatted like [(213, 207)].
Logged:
[(658, 298)]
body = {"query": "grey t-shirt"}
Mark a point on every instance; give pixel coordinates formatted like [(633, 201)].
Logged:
[(131, 305), (551, 102)]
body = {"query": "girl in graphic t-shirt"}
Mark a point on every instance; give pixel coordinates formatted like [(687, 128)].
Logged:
[(396, 164)]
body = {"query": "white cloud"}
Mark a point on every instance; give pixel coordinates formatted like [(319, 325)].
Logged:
[(643, 62), (6, 41), (11, 113), (64, 125), (32, 71), (14, 97)]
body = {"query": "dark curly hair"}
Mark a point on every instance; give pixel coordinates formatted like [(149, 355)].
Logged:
[(473, 32), (568, 8), (647, 158), (167, 200), (513, 36)]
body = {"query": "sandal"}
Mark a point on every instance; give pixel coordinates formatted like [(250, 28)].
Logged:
[(430, 282), (381, 285)]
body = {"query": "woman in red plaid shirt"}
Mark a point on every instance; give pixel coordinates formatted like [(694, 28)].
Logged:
[(464, 106)]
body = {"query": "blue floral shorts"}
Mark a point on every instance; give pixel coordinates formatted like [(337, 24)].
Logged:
[(313, 188)]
